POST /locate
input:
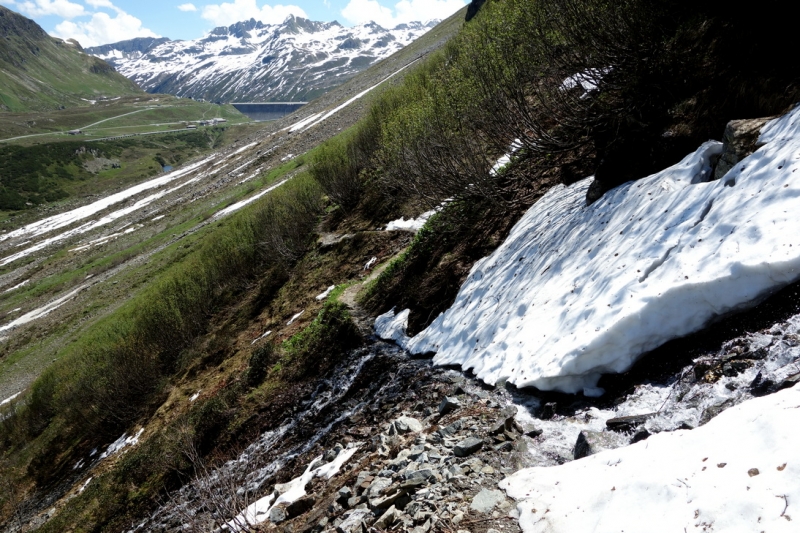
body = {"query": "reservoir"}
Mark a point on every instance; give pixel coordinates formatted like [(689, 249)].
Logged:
[(261, 111)]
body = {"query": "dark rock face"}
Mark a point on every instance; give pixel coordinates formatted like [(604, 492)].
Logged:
[(473, 9)]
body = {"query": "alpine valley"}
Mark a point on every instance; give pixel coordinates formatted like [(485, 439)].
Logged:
[(255, 62)]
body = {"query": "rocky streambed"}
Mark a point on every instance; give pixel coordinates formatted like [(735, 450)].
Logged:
[(388, 442)]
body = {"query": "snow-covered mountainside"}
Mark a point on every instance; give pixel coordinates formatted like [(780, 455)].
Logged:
[(255, 62), (577, 291)]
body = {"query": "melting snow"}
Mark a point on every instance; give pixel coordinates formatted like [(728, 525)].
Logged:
[(577, 291), (10, 398), (295, 317), (258, 511), (737, 473), (86, 484), (17, 286), (370, 263), (266, 334), (42, 311), (238, 205), (123, 442), (325, 293), (412, 224)]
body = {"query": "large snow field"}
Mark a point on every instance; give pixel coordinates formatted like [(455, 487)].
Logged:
[(576, 291), (737, 473)]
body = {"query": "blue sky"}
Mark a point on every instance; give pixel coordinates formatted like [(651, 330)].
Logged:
[(94, 22)]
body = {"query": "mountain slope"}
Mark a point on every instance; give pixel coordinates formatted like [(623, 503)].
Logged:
[(39, 72), (252, 61)]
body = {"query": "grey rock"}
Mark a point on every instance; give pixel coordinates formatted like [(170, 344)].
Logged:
[(448, 405), (486, 499), (739, 142), (407, 424), (377, 486), (344, 494), (467, 447), (450, 430), (421, 475), (354, 521), (393, 498), (387, 519), (355, 501), (592, 442), (278, 514)]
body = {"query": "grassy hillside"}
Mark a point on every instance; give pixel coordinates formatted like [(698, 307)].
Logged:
[(39, 72)]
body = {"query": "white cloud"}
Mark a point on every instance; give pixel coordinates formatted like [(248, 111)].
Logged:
[(103, 29), (226, 13), (100, 3), (60, 8), (187, 7), (361, 11)]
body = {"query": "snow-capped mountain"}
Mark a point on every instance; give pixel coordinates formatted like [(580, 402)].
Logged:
[(252, 61)]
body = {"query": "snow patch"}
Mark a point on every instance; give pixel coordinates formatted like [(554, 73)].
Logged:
[(10, 398), (258, 512), (327, 292), (576, 291), (123, 442), (736, 473), (266, 334), (17, 286), (42, 311), (412, 224), (295, 317)]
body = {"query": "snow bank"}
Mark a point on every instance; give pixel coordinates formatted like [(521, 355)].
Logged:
[(578, 291), (737, 473)]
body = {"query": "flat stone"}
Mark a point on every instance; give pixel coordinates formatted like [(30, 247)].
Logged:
[(467, 447), (486, 499), (448, 405)]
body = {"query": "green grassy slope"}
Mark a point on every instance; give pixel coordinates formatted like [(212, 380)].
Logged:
[(39, 72)]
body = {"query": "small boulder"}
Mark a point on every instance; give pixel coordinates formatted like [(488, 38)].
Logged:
[(467, 447), (590, 443), (407, 424), (448, 405)]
